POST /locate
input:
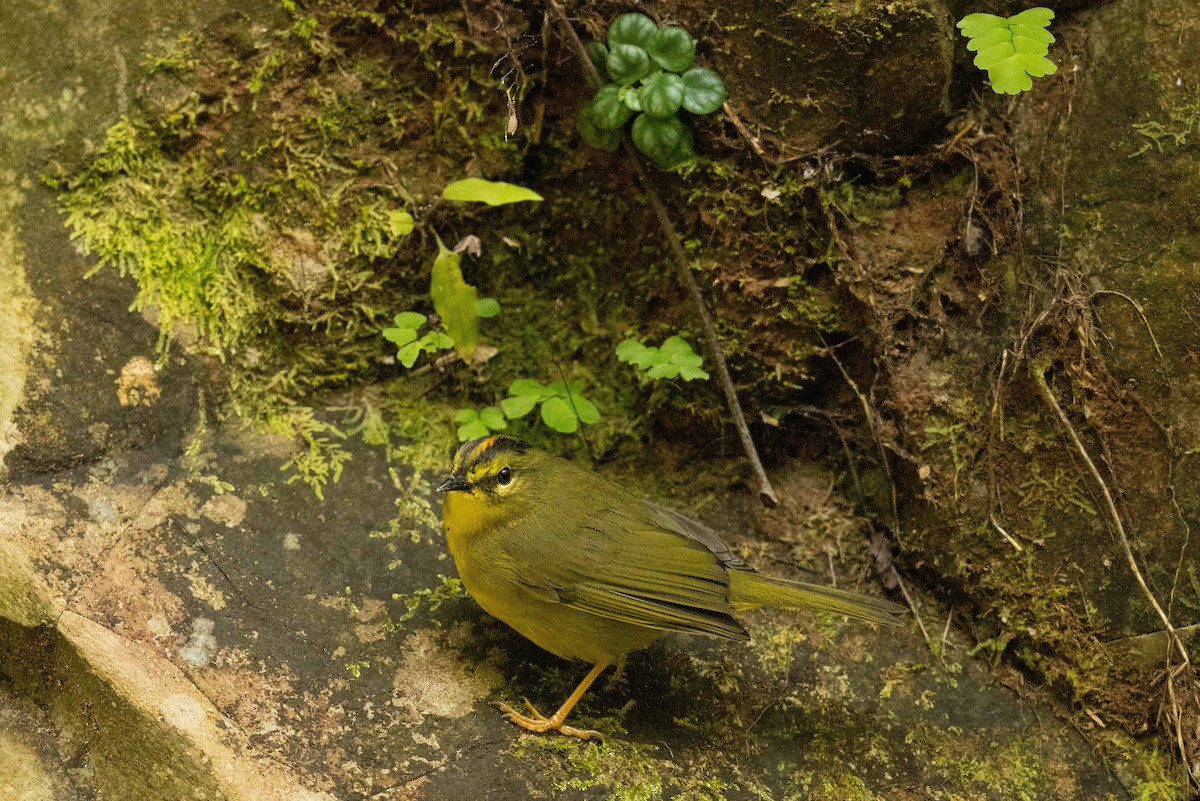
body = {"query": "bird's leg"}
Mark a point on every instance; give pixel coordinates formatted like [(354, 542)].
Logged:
[(537, 722)]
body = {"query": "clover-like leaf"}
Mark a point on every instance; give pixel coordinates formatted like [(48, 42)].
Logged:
[(526, 386), (593, 134), (400, 335), (627, 63), (634, 352), (1011, 49), (408, 354), (703, 91), (558, 414), (672, 48), (662, 94), (493, 418), (609, 112), (493, 193), (454, 301), (658, 138), (673, 359), (632, 29), (472, 429), (518, 405)]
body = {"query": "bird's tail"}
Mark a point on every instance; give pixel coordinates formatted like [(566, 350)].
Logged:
[(749, 590)]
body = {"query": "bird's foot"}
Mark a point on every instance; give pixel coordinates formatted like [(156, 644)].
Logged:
[(537, 722)]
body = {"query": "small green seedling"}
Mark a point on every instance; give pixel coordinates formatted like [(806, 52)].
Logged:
[(472, 423), (648, 71), (404, 334), (673, 359), (563, 408), (1011, 49)]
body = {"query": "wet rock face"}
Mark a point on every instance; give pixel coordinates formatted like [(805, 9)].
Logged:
[(867, 76)]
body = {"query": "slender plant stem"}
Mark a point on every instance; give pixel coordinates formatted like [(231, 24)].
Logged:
[(766, 493)]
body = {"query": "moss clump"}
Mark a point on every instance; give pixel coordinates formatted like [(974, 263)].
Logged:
[(260, 196)]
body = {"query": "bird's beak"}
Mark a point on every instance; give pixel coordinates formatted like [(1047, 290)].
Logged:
[(453, 482)]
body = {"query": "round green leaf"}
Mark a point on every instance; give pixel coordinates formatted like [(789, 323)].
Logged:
[(558, 414), (608, 111), (633, 352), (487, 307), (703, 91), (672, 48), (627, 63), (593, 134), (465, 415), (598, 53), (632, 29), (410, 319), (662, 94), (657, 138)]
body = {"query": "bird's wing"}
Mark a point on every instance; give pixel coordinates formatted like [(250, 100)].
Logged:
[(635, 569)]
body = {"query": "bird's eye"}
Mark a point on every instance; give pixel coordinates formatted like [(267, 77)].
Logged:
[(504, 477)]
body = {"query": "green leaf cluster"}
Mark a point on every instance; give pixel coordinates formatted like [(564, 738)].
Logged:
[(411, 346), (648, 72), (1011, 49), (673, 359), (563, 408)]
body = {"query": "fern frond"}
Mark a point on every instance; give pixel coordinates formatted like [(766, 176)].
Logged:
[(1011, 49)]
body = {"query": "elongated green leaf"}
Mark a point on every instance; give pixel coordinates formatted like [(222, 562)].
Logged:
[(632, 29), (454, 301), (493, 193)]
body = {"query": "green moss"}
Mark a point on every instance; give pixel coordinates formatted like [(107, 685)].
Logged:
[(251, 197)]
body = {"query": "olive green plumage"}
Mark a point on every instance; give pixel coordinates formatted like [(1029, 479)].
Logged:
[(589, 571)]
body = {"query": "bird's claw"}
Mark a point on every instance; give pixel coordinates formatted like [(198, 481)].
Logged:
[(539, 723)]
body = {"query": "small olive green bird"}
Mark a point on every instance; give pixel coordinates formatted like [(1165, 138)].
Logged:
[(589, 571)]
